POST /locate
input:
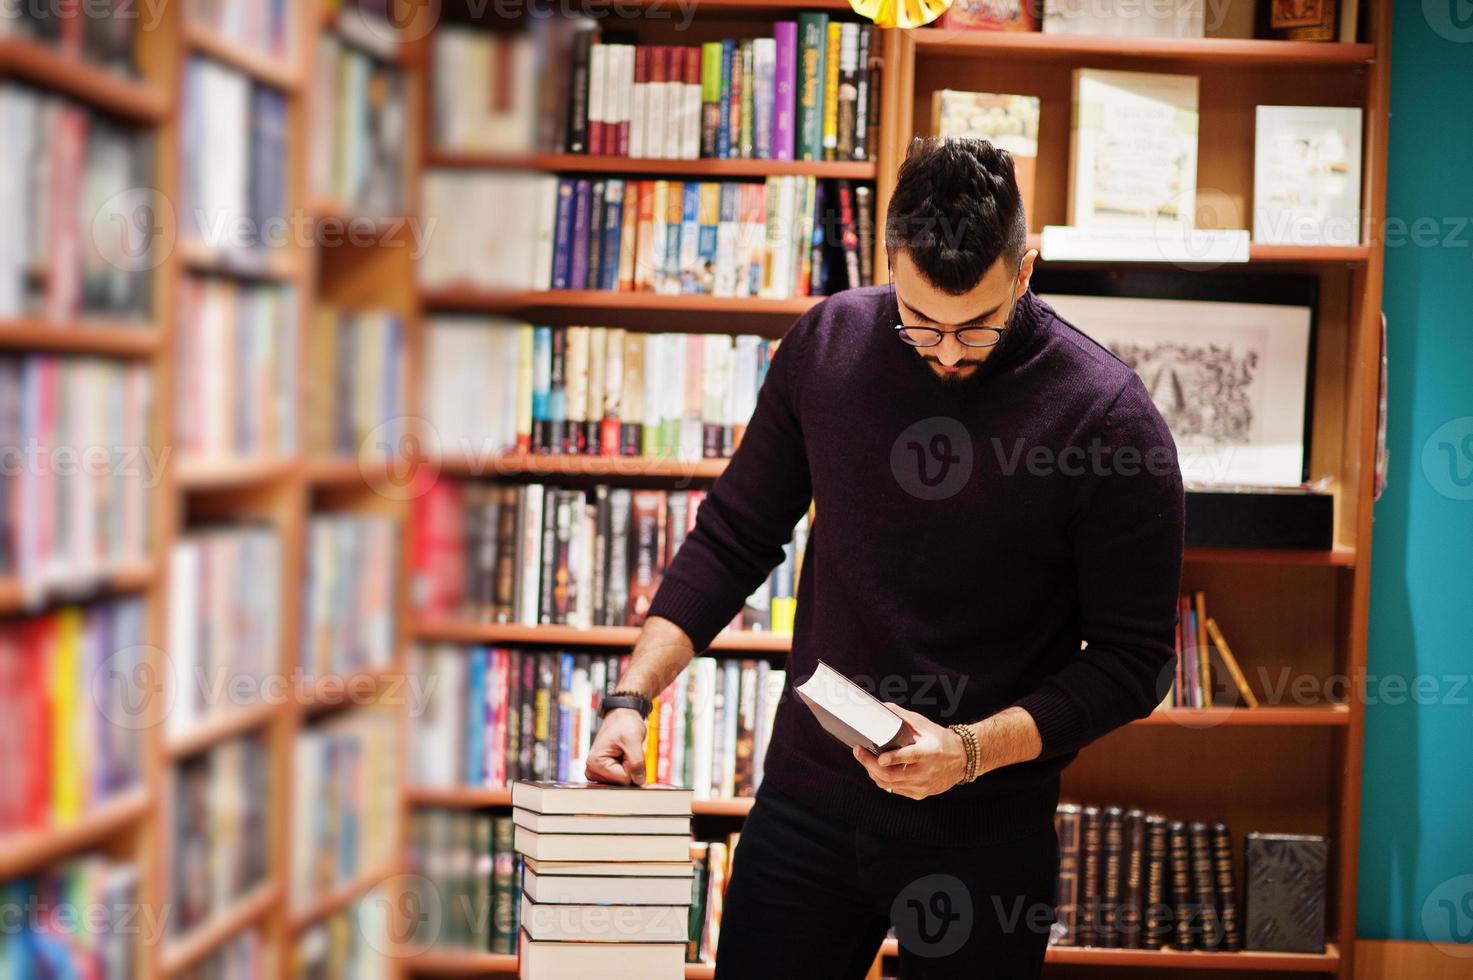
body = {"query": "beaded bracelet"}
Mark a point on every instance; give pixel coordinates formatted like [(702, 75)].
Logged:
[(973, 750)]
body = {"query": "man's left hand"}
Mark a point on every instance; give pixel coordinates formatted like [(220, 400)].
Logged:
[(932, 764)]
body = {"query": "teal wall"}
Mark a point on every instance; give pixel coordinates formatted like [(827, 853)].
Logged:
[(1416, 849)]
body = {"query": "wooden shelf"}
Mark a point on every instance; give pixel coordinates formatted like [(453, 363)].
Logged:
[(704, 168), (224, 474), (1174, 959), (119, 339), (457, 962), (28, 850), (597, 299), (221, 727), (1257, 253), (265, 68), (1214, 52), (1264, 716), (262, 264), (16, 599), (332, 690), (479, 798), (128, 98), (470, 631), (603, 467), (340, 898), (181, 954), (1340, 555)]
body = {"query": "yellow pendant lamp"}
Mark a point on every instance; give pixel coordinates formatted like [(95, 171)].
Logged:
[(900, 13)]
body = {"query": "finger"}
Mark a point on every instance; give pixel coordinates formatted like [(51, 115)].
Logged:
[(633, 760), (905, 713), (902, 756), (876, 772), (606, 769)]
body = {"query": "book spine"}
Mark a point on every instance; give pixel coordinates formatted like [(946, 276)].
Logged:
[(1130, 916), (1181, 885), (1091, 833), (576, 137), (1204, 889), (812, 36), (1157, 919), (1113, 848), (785, 32), (711, 55)]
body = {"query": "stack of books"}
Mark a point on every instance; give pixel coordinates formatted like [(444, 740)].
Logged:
[(606, 881)]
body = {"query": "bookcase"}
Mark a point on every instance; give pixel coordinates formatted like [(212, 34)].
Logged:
[(1286, 767)]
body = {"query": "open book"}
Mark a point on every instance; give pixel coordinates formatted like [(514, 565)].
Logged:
[(851, 714)]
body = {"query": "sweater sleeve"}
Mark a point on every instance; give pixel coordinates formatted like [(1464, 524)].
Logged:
[(750, 513), (1128, 536)]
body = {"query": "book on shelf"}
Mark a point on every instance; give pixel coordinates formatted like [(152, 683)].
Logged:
[(355, 363), (1285, 877), (234, 162), (224, 621), (782, 237), (595, 391), (349, 595), (79, 467), (220, 803), (70, 682), (265, 26), (1129, 879), (990, 15), (494, 717), (851, 714), (1133, 150), (1122, 18), (79, 234), (235, 369), (1206, 672), (1009, 122), (470, 876), (360, 113), (345, 802), (712, 863), (349, 943), (807, 91), (541, 554), (43, 937), (1307, 175)]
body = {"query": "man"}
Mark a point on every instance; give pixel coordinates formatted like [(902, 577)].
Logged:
[(990, 489)]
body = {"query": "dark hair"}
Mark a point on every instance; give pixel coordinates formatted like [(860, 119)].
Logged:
[(955, 209)]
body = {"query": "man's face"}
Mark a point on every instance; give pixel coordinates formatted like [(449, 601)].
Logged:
[(990, 303)]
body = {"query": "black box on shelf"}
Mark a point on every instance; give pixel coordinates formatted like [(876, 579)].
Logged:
[(1260, 517)]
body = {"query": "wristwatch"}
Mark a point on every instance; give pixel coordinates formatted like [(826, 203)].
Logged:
[(626, 699)]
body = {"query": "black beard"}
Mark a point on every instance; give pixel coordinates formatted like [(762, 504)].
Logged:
[(960, 384)]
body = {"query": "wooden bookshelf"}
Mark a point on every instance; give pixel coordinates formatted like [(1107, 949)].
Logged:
[(267, 265), (1190, 52), (261, 66), (220, 474), (483, 301), (181, 954), (340, 898), (122, 339), (15, 599), (1258, 254), (24, 852), (221, 726), (460, 963), (1326, 962), (136, 100)]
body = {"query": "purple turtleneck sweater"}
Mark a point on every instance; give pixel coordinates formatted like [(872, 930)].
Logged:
[(966, 537)]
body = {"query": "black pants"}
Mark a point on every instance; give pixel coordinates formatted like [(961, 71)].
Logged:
[(812, 899)]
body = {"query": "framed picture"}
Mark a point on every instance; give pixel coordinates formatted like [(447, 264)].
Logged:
[(1227, 360)]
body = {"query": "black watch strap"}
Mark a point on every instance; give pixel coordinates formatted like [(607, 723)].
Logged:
[(626, 699)]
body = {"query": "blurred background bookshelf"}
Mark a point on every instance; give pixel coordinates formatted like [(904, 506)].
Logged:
[(289, 271)]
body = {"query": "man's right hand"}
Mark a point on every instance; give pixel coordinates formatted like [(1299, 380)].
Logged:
[(617, 755)]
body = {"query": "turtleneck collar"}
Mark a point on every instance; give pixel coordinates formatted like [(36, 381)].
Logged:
[(1030, 321)]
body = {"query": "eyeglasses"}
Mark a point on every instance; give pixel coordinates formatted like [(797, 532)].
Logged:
[(931, 336)]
